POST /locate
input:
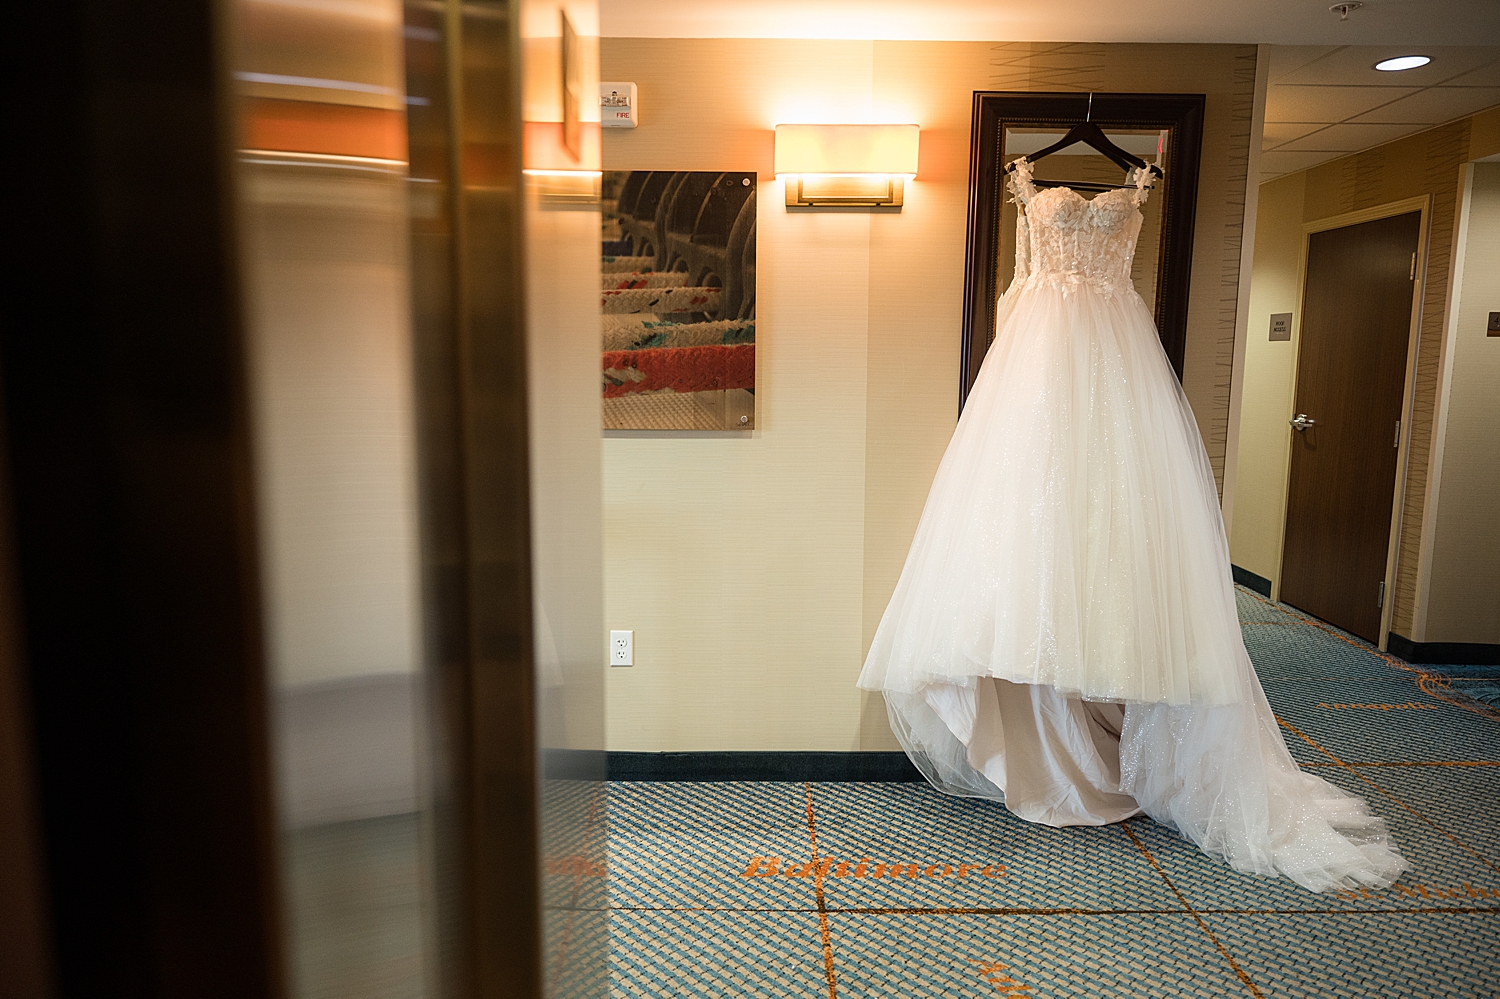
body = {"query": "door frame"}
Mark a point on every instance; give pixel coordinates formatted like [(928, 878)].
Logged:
[(1423, 204)]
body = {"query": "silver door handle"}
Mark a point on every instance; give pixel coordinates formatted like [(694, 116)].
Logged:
[(1301, 422)]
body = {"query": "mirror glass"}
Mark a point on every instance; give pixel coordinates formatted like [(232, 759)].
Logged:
[(1080, 162)]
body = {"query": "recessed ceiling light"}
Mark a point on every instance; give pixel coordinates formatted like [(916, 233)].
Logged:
[(1402, 62)]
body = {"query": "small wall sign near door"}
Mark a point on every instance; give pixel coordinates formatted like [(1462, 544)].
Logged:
[(1281, 326), (1494, 327)]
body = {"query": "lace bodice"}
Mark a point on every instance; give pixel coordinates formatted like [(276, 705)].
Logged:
[(1066, 240)]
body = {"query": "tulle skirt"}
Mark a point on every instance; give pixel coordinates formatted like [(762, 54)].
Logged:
[(1063, 636)]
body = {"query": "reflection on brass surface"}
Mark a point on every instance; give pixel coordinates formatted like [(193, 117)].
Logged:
[(468, 330), (858, 190), (324, 214), (504, 288), (572, 88), (563, 188)]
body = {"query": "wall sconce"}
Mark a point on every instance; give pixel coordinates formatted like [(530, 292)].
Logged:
[(846, 166)]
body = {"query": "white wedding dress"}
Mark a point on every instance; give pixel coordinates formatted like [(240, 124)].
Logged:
[(1063, 636)]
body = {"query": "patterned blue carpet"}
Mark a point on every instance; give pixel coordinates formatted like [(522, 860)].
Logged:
[(714, 890)]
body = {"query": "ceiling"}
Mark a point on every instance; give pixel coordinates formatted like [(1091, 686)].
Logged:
[(1281, 22), (1326, 101)]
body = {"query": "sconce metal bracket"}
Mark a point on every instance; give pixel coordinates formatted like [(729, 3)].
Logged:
[(861, 190)]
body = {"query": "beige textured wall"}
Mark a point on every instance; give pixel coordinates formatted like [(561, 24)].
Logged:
[(754, 569), (1462, 598), (1270, 380), (1428, 163), (737, 559), (562, 341)]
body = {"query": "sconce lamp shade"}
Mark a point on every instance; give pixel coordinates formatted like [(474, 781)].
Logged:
[(846, 149)]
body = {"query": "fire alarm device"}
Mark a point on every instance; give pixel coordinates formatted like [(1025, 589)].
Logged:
[(617, 105)]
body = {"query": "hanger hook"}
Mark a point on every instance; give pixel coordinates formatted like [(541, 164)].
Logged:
[(1089, 114)]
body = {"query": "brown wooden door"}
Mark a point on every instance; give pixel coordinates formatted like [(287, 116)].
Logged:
[(1356, 320)]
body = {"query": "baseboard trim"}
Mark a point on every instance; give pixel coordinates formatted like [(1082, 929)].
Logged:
[(768, 766), (1443, 653), (1251, 581)]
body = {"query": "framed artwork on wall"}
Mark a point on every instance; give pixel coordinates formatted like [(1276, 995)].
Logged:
[(678, 295), (1163, 129)]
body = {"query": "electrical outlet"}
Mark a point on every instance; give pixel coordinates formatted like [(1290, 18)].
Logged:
[(622, 648)]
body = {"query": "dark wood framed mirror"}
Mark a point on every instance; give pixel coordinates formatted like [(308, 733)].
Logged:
[(1166, 129)]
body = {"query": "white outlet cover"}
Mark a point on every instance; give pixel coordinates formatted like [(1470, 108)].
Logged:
[(622, 648)]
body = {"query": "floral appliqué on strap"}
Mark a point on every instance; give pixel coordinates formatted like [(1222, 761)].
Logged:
[(1021, 188), (1144, 180)]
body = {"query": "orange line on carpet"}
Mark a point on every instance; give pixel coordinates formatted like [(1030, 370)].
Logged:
[(948, 911), (1410, 763), (1305, 738), (1425, 680), (1234, 965), (1458, 910), (812, 833), (1488, 910)]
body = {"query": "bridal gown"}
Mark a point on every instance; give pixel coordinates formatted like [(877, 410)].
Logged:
[(1063, 636)]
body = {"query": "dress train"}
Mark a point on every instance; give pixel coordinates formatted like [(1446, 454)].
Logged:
[(1063, 636)]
